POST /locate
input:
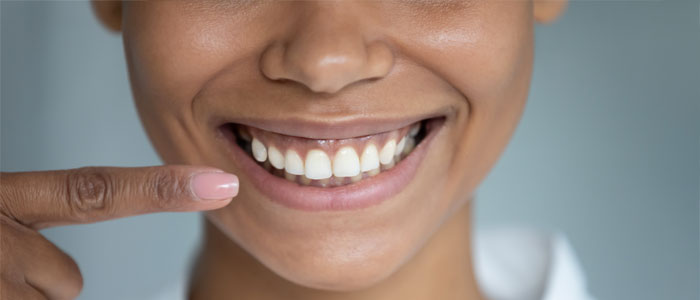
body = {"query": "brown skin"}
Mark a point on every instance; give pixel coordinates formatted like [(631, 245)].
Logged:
[(31, 267), (191, 61)]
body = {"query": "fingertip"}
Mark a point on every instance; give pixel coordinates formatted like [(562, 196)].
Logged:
[(214, 186)]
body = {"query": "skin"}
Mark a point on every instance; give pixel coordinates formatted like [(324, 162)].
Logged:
[(193, 61)]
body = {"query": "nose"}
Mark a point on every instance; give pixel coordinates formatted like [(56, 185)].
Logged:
[(326, 51)]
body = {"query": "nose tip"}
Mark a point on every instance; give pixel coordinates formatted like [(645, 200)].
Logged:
[(328, 73), (328, 61)]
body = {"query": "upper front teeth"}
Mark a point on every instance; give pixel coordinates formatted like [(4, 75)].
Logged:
[(370, 158), (346, 163), (293, 163), (317, 165)]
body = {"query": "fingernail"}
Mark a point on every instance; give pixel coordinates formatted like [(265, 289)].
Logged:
[(214, 186)]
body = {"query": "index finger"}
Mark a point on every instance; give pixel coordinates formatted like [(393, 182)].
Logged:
[(85, 195)]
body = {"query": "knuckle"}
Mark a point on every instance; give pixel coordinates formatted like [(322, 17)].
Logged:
[(89, 189), (167, 187), (8, 205)]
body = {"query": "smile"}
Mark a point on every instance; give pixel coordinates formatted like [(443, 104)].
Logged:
[(328, 163), (330, 174)]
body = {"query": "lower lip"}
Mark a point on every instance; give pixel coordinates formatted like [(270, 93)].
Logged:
[(362, 194)]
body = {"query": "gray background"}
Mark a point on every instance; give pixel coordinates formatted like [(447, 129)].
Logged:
[(608, 150)]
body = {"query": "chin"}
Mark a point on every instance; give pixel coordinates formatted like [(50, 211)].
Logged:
[(336, 252), (340, 270)]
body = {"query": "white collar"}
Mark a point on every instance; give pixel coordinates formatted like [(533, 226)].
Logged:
[(525, 264)]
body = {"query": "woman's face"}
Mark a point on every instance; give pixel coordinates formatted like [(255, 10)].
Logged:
[(295, 97)]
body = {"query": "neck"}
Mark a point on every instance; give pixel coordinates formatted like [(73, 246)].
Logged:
[(442, 269)]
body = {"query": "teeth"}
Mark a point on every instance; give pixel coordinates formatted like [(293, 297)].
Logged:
[(259, 151), (414, 130), (290, 177), (346, 163), (356, 178), (318, 165), (324, 182), (386, 156), (389, 166), (276, 157), (400, 146), (345, 167), (370, 158), (305, 180), (410, 144), (293, 163)]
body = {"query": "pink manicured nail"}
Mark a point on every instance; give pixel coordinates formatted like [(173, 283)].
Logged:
[(214, 186)]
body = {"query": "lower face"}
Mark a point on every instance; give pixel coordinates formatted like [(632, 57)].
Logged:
[(338, 190)]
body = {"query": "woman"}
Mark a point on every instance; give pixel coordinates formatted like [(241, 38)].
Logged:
[(359, 131)]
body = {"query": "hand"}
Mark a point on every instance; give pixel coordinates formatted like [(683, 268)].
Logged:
[(31, 267)]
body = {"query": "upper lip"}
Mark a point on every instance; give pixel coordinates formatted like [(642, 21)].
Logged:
[(332, 128)]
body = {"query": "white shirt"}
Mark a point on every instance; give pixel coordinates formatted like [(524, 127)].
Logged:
[(510, 264), (522, 264)]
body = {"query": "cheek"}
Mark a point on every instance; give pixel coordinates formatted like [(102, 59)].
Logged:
[(489, 62), (164, 77), (482, 57), (172, 53), (161, 66), (496, 85)]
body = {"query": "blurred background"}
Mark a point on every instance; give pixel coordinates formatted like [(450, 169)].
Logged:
[(608, 150)]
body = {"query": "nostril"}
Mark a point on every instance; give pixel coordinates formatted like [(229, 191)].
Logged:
[(326, 65), (272, 62)]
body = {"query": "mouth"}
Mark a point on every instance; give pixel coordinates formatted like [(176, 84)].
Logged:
[(331, 173)]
